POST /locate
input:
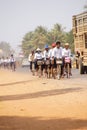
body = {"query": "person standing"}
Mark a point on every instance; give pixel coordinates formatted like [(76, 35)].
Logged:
[(31, 59), (12, 62), (67, 53), (57, 54)]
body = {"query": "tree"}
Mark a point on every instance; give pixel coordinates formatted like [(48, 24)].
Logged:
[(58, 33), (27, 43), (5, 48), (41, 36), (35, 39)]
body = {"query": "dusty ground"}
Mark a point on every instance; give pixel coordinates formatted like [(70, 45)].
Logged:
[(31, 103)]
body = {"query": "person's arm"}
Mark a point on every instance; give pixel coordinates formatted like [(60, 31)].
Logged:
[(29, 58), (53, 53), (63, 52), (60, 52), (44, 55), (49, 54)]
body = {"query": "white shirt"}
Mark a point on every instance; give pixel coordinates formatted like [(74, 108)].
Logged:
[(50, 53), (30, 58), (66, 52), (12, 59), (46, 54), (5, 60), (38, 56), (57, 52), (2, 60), (8, 60)]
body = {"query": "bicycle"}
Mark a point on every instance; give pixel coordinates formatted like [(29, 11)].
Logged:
[(67, 66), (59, 64), (39, 63), (48, 70)]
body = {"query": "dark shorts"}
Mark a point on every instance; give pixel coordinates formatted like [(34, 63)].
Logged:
[(37, 66)]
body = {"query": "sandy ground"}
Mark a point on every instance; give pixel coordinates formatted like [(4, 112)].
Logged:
[(32, 103)]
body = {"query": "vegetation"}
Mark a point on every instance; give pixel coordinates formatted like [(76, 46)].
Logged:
[(41, 36), (5, 49)]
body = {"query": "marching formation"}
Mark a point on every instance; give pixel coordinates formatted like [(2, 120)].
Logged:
[(54, 62)]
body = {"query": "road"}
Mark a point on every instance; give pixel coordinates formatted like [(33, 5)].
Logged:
[(31, 103)]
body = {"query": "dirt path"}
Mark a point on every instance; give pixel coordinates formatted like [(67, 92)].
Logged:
[(31, 103)]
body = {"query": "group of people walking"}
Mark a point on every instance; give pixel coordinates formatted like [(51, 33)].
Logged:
[(8, 62), (50, 58)]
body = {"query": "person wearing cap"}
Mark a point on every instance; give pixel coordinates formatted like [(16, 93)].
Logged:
[(46, 52), (66, 53), (38, 56), (46, 58)]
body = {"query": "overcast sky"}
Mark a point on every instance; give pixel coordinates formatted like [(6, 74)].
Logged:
[(17, 17)]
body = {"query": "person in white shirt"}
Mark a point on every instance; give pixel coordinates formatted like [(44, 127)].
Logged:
[(2, 62), (51, 50), (51, 58), (46, 52), (6, 62), (12, 63), (46, 59), (38, 56), (31, 59), (66, 53), (57, 52)]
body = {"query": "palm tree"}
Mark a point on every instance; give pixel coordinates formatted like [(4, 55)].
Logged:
[(58, 33)]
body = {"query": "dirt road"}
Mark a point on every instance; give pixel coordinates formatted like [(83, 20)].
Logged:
[(32, 103)]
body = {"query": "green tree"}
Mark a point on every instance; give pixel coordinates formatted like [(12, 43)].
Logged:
[(35, 39), (27, 43), (40, 36), (58, 33)]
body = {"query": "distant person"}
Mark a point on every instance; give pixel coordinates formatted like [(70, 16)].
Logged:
[(0, 62), (77, 59), (67, 53), (31, 59), (12, 63), (38, 57)]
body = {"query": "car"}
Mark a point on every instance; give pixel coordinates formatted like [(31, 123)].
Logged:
[(25, 63)]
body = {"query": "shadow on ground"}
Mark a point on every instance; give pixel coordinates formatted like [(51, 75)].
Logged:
[(40, 94), (15, 83), (25, 123)]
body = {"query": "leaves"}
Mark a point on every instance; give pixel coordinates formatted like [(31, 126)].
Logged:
[(41, 36)]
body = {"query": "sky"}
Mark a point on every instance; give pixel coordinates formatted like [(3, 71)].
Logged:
[(18, 17)]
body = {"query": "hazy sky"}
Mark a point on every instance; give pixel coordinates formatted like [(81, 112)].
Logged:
[(17, 17)]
